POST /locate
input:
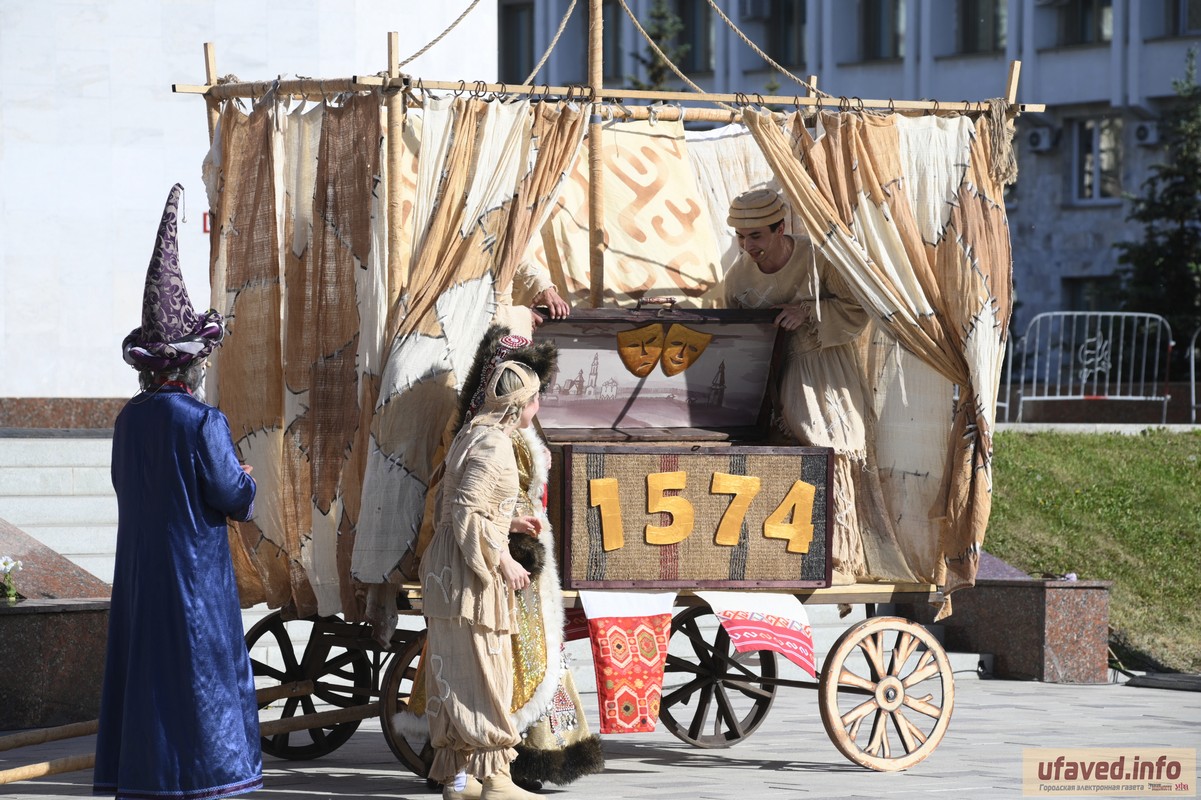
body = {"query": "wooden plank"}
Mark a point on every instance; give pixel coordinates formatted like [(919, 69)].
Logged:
[(56, 767), (322, 719), (26, 738)]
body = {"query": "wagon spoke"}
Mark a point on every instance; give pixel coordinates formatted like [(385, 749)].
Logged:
[(726, 711), (926, 668), (697, 727), (879, 739), (906, 644), (923, 706), (848, 678), (872, 647), (682, 693), (751, 690), (856, 714), (680, 664), (266, 670), (911, 735)]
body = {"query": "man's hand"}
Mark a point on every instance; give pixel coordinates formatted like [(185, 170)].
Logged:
[(792, 317), (556, 305)]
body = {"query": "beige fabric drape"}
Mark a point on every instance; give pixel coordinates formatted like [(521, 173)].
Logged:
[(487, 175), (295, 270), (933, 267)]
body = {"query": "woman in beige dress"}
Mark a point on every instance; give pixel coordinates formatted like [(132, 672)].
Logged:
[(468, 579)]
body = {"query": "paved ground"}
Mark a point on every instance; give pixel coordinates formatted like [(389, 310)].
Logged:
[(789, 756)]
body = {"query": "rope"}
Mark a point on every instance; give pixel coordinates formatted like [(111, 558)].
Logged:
[(666, 60), (553, 42), (439, 37), (764, 55)]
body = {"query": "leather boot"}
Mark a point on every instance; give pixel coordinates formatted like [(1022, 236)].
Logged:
[(501, 787), (471, 791)]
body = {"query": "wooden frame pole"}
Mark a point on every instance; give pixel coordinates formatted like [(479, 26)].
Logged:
[(210, 77), (395, 104), (596, 163)]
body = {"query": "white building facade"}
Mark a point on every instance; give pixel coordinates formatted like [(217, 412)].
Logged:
[(92, 138), (1104, 69)]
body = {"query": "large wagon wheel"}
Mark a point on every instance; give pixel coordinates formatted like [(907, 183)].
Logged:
[(724, 695), (340, 676), (394, 698), (902, 687)]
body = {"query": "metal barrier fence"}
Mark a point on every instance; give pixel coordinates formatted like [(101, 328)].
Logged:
[(1090, 355), (1192, 377)]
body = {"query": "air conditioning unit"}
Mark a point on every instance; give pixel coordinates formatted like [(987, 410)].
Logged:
[(754, 10), (1146, 134), (1040, 140)]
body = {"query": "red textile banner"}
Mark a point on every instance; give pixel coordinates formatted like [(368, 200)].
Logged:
[(629, 654)]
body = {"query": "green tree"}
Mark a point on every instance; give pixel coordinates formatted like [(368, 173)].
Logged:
[(1163, 269), (663, 27)]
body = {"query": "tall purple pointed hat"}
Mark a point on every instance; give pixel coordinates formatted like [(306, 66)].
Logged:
[(172, 333)]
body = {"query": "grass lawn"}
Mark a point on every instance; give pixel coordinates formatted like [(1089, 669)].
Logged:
[(1110, 507)]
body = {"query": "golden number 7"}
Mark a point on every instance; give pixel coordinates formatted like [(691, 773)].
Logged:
[(744, 488)]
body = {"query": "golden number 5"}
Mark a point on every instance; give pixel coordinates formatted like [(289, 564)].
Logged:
[(680, 509), (744, 488), (603, 492), (798, 504)]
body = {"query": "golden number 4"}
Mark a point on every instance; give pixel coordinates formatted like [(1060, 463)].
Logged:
[(682, 515), (744, 488), (793, 518)]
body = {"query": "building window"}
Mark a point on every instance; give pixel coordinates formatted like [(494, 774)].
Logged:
[(516, 42), (983, 25), (883, 27), (786, 32), (1091, 294), (1098, 160), (698, 33), (614, 21), (1186, 17), (1086, 22)]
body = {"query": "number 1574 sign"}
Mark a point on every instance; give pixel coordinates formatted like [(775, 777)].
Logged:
[(695, 516)]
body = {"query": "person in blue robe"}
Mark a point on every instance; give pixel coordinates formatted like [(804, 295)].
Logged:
[(178, 715)]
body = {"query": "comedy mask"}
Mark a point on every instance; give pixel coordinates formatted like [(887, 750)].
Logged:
[(682, 348)]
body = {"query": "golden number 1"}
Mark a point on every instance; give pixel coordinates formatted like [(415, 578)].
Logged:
[(603, 492), (798, 531), (744, 488), (680, 509)]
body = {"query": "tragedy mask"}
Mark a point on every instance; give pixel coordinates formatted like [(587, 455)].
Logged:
[(640, 348), (683, 346)]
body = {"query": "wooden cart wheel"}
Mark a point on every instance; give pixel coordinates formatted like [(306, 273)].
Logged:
[(713, 696), (394, 697), (341, 678), (894, 675)]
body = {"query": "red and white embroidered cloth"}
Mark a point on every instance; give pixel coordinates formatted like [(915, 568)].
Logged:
[(629, 633), (756, 621)]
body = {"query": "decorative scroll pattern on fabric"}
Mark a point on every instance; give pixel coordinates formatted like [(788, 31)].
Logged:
[(775, 622), (659, 232)]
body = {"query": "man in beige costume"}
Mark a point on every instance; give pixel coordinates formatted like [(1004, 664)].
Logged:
[(822, 396), (467, 579)]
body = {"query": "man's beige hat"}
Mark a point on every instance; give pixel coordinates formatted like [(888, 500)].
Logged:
[(758, 208)]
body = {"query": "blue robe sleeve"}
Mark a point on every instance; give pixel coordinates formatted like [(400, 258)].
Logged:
[(224, 485)]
